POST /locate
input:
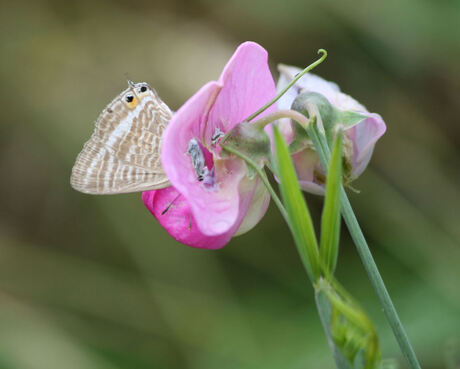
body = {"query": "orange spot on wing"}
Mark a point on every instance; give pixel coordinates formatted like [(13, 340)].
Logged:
[(133, 103)]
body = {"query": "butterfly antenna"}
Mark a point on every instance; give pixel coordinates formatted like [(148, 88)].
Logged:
[(130, 83), (170, 204)]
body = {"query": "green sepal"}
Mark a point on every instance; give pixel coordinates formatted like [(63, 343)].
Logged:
[(308, 103), (329, 120), (251, 140), (301, 139), (349, 119), (312, 103)]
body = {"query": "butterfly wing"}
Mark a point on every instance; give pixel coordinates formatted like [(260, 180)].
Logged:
[(123, 153)]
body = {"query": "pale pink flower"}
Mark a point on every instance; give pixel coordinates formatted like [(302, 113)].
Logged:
[(212, 198), (359, 139)]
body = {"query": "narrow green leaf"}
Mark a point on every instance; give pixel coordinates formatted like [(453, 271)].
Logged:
[(330, 221), (299, 218), (250, 140)]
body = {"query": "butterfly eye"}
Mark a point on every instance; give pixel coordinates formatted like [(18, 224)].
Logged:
[(143, 89), (129, 98)]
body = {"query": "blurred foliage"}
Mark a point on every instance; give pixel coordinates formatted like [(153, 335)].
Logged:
[(95, 282)]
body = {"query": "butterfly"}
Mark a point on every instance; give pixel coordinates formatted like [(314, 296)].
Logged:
[(123, 153)]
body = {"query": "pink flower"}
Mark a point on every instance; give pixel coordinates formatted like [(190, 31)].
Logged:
[(359, 139), (212, 198)]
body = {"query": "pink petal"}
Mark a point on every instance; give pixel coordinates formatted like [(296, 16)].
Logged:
[(247, 85), (178, 219), (364, 136), (258, 206), (174, 214), (179, 169), (306, 162), (241, 90)]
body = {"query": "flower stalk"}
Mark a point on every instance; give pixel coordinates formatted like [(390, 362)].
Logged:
[(280, 114), (366, 256)]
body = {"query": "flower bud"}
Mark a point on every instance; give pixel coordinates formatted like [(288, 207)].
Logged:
[(312, 95), (351, 335)]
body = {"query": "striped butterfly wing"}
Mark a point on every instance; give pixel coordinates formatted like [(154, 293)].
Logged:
[(123, 153)]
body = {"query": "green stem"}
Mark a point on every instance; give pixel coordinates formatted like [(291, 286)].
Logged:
[(377, 281), (263, 177), (367, 259), (270, 118), (280, 114), (278, 96)]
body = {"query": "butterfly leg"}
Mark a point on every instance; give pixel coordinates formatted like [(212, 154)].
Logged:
[(170, 204)]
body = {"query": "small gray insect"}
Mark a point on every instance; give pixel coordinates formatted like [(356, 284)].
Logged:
[(218, 134), (198, 162)]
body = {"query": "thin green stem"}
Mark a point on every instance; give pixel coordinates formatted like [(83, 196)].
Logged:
[(292, 114), (330, 218), (263, 177), (366, 257), (278, 96), (270, 118), (377, 281)]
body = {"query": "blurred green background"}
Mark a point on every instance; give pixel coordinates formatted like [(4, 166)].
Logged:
[(95, 282)]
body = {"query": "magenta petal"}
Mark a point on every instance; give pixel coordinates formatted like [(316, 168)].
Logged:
[(178, 220), (215, 210), (179, 169), (245, 85)]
